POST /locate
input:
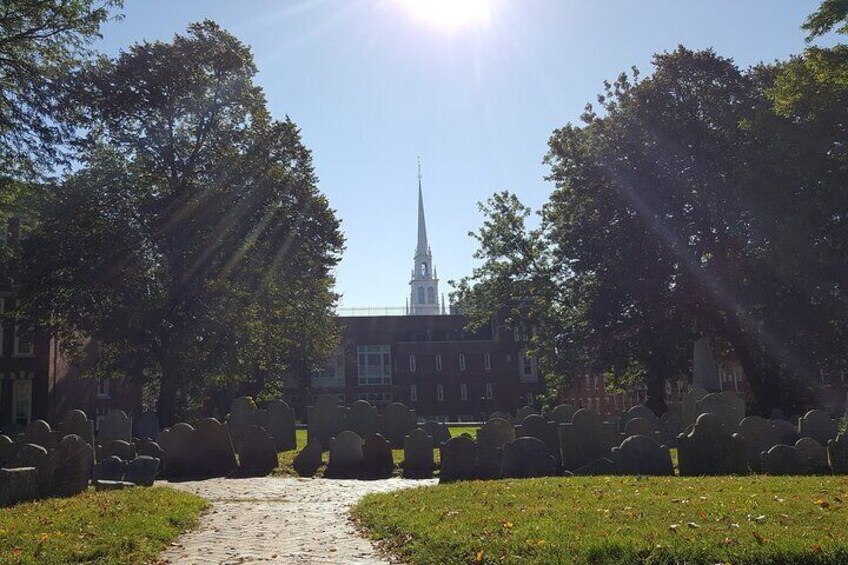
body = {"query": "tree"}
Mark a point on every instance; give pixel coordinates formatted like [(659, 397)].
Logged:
[(830, 14), (193, 245)]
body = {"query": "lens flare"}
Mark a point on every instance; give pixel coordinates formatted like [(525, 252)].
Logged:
[(451, 14)]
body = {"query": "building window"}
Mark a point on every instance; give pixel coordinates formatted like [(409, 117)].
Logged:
[(412, 363), (489, 392), (423, 270), (597, 382), (103, 387), (487, 361), (462, 361), (420, 295), (413, 393), (333, 372), (377, 398), (463, 391), (374, 365), (440, 393), (431, 295), (21, 401), (99, 416), (438, 361), (528, 368), (24, 346)]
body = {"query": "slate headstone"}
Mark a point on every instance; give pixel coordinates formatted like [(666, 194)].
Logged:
[(7, 450), (837, 454), (307, 461), (28, 455), (149, 448), (788, 433), (523, 412), (377, 456), (688, 405), (586, 439), (527, 457), (77, 423), (278, 420), (362, 418), (38, 432), (671, 424), (177, 443), (326, 420), (760, 435), (641, 427), (257, 453), (147, 425), (642, 455), (397, 420), (142, 471), (491, 438), (704, 368), (213, 451), (817, 425), (120, 448), (602, 466), (418, 455), (458, 460), (67, 469), (438, 431), (562, 414), (639, 411), (243, 415), (346, 458), (727, 405), (709, 449), (785, 460), (815, 454), (110, 468), (115, 425), (18, 485), (546, 431)]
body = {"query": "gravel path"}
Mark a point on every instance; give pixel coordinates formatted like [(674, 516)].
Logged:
[(279, 520)]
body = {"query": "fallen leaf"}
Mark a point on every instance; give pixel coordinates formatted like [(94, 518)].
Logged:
[(759, 537)]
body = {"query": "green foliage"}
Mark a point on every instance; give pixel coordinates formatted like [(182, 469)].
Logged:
[(831, 13), (614, 520), (127, 526)]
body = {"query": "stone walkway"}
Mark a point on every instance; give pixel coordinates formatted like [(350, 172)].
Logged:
[(279, 520)]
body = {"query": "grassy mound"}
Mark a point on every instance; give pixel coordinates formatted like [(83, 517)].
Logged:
[(127, 526), (619, 520)]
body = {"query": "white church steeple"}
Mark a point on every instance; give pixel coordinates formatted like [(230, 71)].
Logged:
[(424, 296)]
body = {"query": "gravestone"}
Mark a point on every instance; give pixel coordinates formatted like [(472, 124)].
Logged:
[(709, 449), (28, 455), (688, 404), (77, 423), (603, 466), (178, 446), (586, 439), (67, 469), (110, 468), (670, 427), (458, 459), (257, 453), (346, 458), (438, 431), (523, 412), (362, 418), (817, 425), (377, 456), (639, 411), (149, 448), (243, 416), (326, 420), (491, 438), (837, 454), (397, 421), (704, 368), (147, 425), (788, 433), (306, 462), (547, 432), (213, 451), (785, 460), (122, 449), (642, 455), (527, 457), (38, 432), (18, 485), (7, 450), (501, 415), (728, 406), (562, 414), (760, 435), (115, 425), (641, 427), (418, 455), (278, 421), (142, 471), (815, 453)]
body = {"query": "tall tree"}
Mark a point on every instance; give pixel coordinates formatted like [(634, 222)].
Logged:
[(193, 245)]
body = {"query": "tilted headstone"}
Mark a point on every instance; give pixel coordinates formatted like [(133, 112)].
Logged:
[(705, 370), (28, 455), (418, 455), (728, 406), (177, 443), (77, 423), (307, 461), (147, 425), (458, 460), (115, 425), (67, 469), (278, 420), (440, 432), (243, 415), (641, 427), (257, 453), (709, 449), (817, 425), (377, 456), (149, 448), (362, 418), (546, 431), (142, 471), (122, 449), (38, 432), (837, 454), (7, 450), (760, 435), (562, 414), (785, 460), (397, 421), (18, 485), (603, 466), (642, 455), (110, 468), (688, 405), (491, 438), (586, 439), (213, 451), (815, 454), (527, 457), (346, 458), (326, 420), (639, 411)]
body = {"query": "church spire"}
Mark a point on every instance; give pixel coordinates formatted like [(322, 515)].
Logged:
[(422, 248), (424, 285)]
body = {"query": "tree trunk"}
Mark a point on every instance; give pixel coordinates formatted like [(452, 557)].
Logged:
[(656, 392), (166, 404), (764, 387)]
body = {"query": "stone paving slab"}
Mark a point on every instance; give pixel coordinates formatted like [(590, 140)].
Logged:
[(279, 520)]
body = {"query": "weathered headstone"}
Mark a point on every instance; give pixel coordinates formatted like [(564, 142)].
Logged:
[(110, 468), (115, 425), (362, 418), (709, 449), (67, 469), (501, 415), (142, 471), (18, 485), (817, 425), (491, 438), (149, 448), (788, 433), (243, 415), (326, 420), (458, 460), (278, 420), (760, 435), (562, 414), (440, 432), (147, 425), (546, 431), (77, 423), (377, 456), (641, 427), (178, 447), (837, 454), (642, 455), (523, 412), (785, 460), (815, 453), (688, 405), (120, 448), (7, 450), (38, 432), (28, 455), (346, 458), (728, 406), (397, 421), (586, 439), (705, 370), (213, 451), (257, 453), (603, 466), (527, 457), (306, 462), (418, 455), (639, 411), (671, 424)]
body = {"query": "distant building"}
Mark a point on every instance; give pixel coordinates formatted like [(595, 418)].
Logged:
[(424, 282)]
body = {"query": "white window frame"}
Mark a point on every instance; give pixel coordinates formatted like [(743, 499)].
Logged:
[(385, 376), (490, 392), (333, 373), (462, 361), (463, 391), (16, 350), (440, 393), (413, 393), (411, 363), (438, 361), (487, 361), (533, 375)]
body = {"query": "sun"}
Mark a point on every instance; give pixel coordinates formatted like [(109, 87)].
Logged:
[(451, 14)]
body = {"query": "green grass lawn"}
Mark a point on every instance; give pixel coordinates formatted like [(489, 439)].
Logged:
[(618, 520), (128, 526)]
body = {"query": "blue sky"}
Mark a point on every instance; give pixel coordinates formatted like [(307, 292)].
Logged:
[(373, 85)]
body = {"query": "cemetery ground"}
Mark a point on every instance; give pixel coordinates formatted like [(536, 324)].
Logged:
[(615, 520), (121, 526)]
